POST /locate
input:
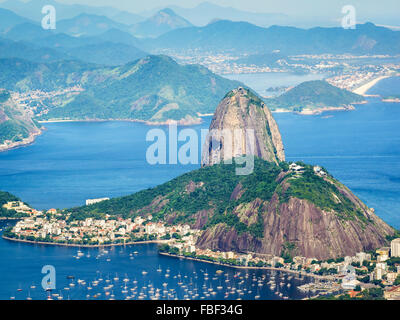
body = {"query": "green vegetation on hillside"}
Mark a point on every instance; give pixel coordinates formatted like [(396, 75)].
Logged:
[(154, 88), (313, 95), (12, 130), (4, 198), (224, 195), (322, 193)]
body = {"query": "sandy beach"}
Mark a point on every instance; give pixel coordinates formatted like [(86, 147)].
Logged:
[(365, 87)]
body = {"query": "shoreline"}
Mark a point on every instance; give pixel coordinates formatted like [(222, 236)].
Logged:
[(181, 122), (82, 245), (24, 143), (321, 110), (390, 100), (252, 268), (362, 90)]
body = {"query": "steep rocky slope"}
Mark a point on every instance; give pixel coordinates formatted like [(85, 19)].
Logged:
[(298, 223), (242, 124)]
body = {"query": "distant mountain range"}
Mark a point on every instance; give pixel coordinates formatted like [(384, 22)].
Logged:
[(177, 34), (88, 25), (77, 20), (29, 40), (9, 19), (243, 37), (29, 51), (33, 11), (314, 96), (207, 12)]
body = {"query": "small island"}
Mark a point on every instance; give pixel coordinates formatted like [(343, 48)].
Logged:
[(314, 97)]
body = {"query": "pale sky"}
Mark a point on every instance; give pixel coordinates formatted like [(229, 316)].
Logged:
[(294, 7)]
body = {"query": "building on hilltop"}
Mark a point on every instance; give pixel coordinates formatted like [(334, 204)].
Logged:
[(93, 201)]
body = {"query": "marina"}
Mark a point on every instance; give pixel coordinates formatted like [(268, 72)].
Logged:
[(140, 273)]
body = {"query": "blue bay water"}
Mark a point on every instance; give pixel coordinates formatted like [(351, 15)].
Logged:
[(75, 161), (22, 265)]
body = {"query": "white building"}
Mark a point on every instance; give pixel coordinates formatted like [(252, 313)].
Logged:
[(93, 201), (362, 256), (395, 248)]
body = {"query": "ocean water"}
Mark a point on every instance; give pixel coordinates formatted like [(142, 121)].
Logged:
[(72, 162)]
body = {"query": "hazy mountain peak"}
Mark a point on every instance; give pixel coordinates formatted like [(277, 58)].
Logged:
[(163, 21)]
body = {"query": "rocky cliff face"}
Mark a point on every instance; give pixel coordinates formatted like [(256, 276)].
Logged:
[(304, 227), (242, 124)]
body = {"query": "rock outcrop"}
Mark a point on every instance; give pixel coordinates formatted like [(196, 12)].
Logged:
[(242, 125), (309, 230)]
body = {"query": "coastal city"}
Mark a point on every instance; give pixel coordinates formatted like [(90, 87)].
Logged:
[(349, 275), (356, 73)]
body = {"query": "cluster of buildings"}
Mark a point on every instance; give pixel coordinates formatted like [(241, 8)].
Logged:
[(56, 227), (347, 271), (355, 80), (20, 207), (345, 71), (38, 101)]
